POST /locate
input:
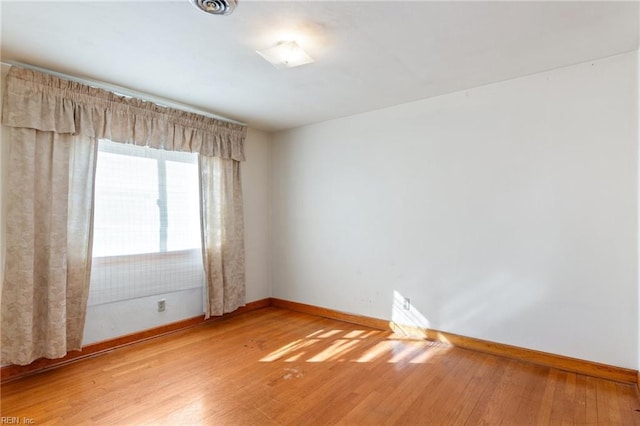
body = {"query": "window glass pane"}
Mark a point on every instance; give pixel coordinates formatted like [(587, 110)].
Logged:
[(126, 219), (183, 207), (146, 223)]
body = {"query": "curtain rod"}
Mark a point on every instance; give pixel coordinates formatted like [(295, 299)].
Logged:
[(119, 90)]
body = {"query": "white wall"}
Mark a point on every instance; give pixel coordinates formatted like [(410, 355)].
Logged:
[(111, 320), (256, 186), (638, 175), (507, 212), (116, 319)]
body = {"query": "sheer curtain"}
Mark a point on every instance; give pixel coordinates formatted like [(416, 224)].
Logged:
[(222, 222), (54, 127)]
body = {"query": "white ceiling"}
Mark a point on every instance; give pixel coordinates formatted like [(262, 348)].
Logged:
[(369, 54)]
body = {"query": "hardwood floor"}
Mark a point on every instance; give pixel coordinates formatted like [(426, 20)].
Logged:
[(274, 366)]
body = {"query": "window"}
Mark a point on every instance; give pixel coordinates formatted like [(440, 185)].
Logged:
[(146, 223)]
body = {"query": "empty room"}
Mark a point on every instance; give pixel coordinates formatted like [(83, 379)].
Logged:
[(244, 212)]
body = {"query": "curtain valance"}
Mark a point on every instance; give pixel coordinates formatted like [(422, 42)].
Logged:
[(47, 103)]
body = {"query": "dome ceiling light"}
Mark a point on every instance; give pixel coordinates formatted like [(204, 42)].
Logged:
[(286, 54)]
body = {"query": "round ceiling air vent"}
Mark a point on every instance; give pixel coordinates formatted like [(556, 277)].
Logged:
[(216, 7)]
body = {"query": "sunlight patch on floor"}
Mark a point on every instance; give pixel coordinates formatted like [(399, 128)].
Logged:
[(375, 352), (288, 348), (336, 350), (408, 344)]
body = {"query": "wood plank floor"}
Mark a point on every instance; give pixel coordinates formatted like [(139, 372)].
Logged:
[(274, 366)]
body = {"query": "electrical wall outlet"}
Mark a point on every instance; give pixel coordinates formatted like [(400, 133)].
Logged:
[(406, 305), (161, 305)]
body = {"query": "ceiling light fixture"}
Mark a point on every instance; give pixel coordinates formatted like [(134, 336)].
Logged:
[(216, 7), (286, 54)]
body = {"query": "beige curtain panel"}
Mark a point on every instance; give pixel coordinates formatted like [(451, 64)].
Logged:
[(223, 236), (54, 126), (44, 102), (48, 255)]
